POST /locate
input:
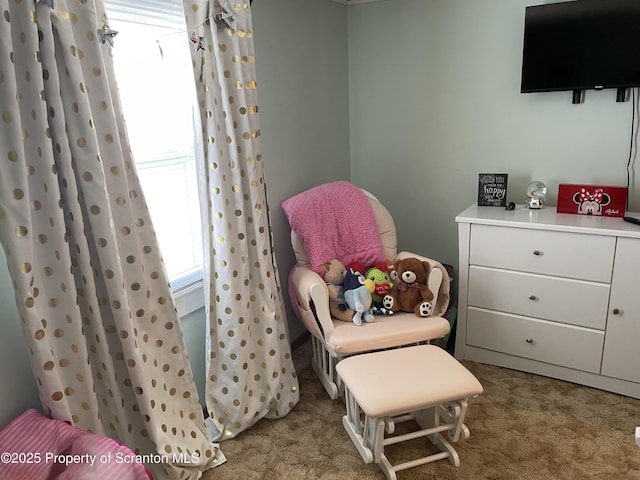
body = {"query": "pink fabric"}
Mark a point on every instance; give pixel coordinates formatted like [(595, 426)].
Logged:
[(335, 220), (37, 447)]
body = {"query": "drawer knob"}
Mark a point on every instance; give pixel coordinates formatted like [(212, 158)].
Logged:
[(537, 253), (532, 297), (530, 341), (616, 311)]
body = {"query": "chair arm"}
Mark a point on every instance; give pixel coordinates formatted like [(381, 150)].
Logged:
[(310, 289), (442, 278)]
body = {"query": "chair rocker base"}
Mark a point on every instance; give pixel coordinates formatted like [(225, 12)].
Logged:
[(324, 365)]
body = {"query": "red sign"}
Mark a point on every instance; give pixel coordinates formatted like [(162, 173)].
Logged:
[(606, 201)]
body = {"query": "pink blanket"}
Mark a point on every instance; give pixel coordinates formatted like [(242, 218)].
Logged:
[(36, 447), (335, 220)]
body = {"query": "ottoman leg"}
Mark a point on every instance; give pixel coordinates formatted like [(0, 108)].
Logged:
[(366, 433), (429, 418), (452, 414)]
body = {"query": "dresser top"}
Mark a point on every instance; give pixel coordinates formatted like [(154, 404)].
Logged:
[(547, 219)]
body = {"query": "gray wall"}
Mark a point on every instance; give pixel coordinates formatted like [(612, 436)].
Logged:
[(303, 92), (18, 390), (435, 99)]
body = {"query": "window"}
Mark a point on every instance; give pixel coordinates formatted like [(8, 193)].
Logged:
[(155, 80)]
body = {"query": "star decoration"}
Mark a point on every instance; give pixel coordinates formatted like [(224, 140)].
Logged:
[(106, 34), (197, 40), (224, 18)]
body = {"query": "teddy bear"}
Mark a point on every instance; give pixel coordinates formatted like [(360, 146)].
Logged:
[(334, 273), (410, 293)]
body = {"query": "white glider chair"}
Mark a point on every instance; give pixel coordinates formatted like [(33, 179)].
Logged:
[(332, 339)]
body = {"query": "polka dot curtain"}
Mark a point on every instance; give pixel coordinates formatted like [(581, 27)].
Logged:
[(96, 310), (250, 371)]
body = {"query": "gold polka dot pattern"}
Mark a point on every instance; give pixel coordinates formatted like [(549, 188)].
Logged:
[(250, 373), (92, 293)]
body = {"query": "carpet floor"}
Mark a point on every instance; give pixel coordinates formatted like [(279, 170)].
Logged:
[(523, 427)]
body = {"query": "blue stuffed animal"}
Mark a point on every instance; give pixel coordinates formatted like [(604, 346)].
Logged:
[(357, 295)]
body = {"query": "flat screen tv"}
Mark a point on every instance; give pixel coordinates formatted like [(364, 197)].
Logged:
[(581, 45)]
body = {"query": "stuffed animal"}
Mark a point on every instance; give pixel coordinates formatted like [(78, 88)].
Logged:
[(381, 278), (357, 294), (357, 267), (411, 293), (382, 283), (334, 273)]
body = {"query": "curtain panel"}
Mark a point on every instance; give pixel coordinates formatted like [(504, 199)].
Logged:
[(250, 370), (97, 313)]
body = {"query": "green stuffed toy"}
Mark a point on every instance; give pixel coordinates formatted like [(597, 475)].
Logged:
[(380, 275)]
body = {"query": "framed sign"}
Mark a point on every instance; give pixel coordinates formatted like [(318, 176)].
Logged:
[(607, 201), (492, 189)]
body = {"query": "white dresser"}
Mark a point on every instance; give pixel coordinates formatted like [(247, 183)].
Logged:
[(552, 294)]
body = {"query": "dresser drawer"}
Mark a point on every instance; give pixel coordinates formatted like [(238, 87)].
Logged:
[(549, 342), (572, 255), (575, 302)]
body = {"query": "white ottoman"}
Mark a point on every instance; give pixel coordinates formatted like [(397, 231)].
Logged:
[(422, 383)]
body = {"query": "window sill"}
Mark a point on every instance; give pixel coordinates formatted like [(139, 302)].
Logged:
[(189, 299)]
